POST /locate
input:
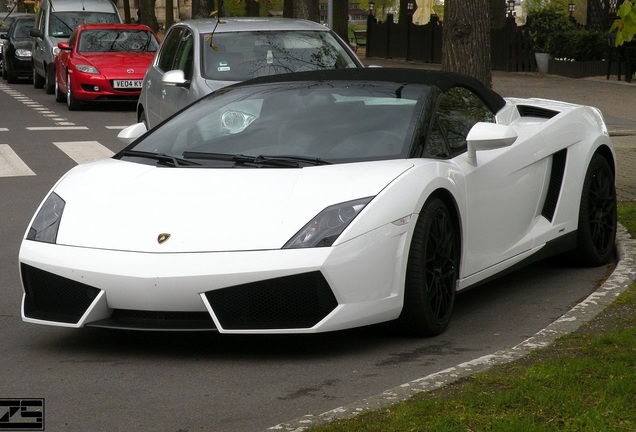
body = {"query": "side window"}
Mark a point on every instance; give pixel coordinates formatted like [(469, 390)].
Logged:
[(169, 49), (72, 39), (184, 58), (458, 111), (39, 19)]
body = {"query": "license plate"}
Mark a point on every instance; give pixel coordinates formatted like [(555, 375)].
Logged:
[(127, 84)]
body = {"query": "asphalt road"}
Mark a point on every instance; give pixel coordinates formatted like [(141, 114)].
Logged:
[(99, 380)]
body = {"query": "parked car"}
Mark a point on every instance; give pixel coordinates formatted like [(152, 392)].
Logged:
[(320, 201), (6, 19), (199, 56), (103, 62), (54, 23), (16, 49)]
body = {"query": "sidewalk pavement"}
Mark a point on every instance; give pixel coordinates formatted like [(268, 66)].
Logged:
[(616, 100)]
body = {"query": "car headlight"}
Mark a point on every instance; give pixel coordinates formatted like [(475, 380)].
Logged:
[(87, 69), (47, 221), (327, 226), (20, 52), (55, 51)]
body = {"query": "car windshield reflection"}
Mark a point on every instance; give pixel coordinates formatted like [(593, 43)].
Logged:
[(239, 56), (292, 125)]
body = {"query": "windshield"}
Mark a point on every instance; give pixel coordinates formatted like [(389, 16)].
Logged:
[(62, 24), (22, 28), (332, 122), (117, 40), (243, 55)]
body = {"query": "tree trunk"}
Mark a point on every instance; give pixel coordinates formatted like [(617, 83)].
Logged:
[(127, 18), (466, 41), (341, 19), (307, 9), (288, 9), (252, 8), (148, 15), (169, 14)]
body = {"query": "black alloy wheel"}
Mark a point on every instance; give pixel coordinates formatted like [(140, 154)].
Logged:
[(597, 214), (432, 272)]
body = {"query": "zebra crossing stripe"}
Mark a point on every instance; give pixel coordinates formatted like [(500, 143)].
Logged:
[(84, 151), (53, 128), (11, 165)]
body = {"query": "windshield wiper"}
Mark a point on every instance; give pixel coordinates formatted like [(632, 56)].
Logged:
[(278, 161), (161, 157)]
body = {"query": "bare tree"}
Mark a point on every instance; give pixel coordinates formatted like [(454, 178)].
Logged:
[(148, 15), (307, 9), (169, 14), (466, 42), (252, 8), (341, 19)]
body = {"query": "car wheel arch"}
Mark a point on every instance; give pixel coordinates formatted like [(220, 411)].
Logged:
[(426, 310)]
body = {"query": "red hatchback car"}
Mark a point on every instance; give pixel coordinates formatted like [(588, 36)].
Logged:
[(103, 62)]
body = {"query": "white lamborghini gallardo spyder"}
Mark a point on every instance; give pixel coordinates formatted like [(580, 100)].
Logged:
[(320, 201)]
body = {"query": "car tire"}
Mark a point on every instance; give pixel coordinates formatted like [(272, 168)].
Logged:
[(432, 272), (38, 81), (59, 95), (72, 103), (596, 234), (49, 81)]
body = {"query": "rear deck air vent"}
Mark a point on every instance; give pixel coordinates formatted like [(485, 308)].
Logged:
[(532, 111)]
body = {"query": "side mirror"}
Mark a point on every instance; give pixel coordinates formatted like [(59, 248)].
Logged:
[(36, 33), (488, 136), (4, 36), (131, 133), (63, 46), (175, 78)]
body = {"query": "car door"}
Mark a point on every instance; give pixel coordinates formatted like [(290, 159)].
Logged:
[(62, 62), (173, 98), (503, 190), (153, 94)]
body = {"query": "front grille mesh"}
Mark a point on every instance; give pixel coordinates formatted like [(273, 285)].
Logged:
[(52, 297), (298, 301)]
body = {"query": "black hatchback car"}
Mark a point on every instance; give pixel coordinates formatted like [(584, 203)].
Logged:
[(16, 49)]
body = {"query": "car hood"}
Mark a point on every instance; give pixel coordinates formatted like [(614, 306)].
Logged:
[(22, 44), (114, 204), (119, 63), (214, 85)]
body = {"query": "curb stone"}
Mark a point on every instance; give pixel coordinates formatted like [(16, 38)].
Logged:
[(621, 278)]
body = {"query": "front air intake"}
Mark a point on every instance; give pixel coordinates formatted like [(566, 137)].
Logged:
[(298, 301), (51, 297)]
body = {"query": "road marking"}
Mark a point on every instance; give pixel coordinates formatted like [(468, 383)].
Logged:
[(52, 128), (84, 151), (36, 106), (4, 129), (117, 127), (10, 163)]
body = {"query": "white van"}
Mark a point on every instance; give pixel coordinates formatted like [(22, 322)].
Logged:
[(55, 21)]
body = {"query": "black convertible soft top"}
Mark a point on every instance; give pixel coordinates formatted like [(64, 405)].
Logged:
[(440, 79)]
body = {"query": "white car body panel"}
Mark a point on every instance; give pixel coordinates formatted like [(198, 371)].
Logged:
[(200, 210)]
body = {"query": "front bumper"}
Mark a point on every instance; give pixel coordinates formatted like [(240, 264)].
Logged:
[(88, 87), (22, 67), (278, 291)]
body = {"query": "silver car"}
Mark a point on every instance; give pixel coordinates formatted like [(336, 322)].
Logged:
[(198, 57)]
